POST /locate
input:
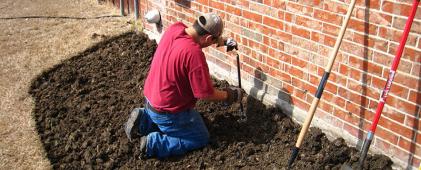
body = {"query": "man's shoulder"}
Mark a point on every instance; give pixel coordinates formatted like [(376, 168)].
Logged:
[(178, 25)]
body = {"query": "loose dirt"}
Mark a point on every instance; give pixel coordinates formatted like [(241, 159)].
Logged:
[(82, 103), (36, 35)]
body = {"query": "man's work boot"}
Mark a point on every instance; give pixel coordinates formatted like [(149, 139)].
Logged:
[(131, 127)]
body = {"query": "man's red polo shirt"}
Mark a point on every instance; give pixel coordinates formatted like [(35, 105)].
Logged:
[(179, 74)]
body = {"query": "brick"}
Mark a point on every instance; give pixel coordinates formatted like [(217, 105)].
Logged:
[(414, 123), (361, 26), (330, 29), (407, 81), (331, 87), (416, 162), (295, 71), (414, 96), (285, 58), (269, 31), (252, 16), (396, 8), (264, 9), (386, 135), (233, 10), (300, 89), (288, 16), (311, 90), (323, 38), (356, 86), (373, 4), (408, 53), (217, 5), (280, 4), (395, 116), (203, 2), (399, 90), (396, 35), (373, 17), (298, 62), (274, 23), (372, 69), (399, 23), (285, 37), (340, 102), (335, 7), (379, 143), (313, 3), (395, 127), (328, 17), (416, 70), (299, 9), (223, 65), (356, 74), (308, 23), (300, 103), (375, 43), (385, 60), (305, 44), (357, 62), (247, 69), (409, 146), (399, 153), (337, 78), (358, 102), (351, 130), (405, 106), (352, 48), (276, 45), (300, 32), (263, 48), (285, 77)]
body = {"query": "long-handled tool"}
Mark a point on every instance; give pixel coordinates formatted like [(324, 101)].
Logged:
[(321, 87), (243, 116), (370, 134)]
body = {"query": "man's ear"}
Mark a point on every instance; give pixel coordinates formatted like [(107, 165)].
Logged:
[(208, 38)]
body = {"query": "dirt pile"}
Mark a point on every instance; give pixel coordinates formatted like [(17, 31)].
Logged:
[(81, 105)]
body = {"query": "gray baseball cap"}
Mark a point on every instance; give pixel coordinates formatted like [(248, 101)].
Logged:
[(212, 23)]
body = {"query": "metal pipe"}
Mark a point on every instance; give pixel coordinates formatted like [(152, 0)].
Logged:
[(121, 8), (136, 9)]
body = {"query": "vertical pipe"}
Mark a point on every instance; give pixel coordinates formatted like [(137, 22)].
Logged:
[(121, 7), (136, 9)]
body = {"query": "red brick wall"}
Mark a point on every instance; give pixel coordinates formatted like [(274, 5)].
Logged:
[(289, 43)]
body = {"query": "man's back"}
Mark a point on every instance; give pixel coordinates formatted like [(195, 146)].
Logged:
[(179, 73)]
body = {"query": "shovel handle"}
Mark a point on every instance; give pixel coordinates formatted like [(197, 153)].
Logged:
[(238, 70), (243, 115)]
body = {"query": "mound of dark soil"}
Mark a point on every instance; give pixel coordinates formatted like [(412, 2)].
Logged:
[(81, 105)]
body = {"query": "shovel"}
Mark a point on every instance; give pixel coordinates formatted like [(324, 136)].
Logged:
[(386, 89), (320, 88)]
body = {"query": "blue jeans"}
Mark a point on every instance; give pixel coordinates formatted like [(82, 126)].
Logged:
[(172, 134)]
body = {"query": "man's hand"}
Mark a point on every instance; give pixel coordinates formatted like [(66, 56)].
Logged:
[(231, 44), (234, 94)]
